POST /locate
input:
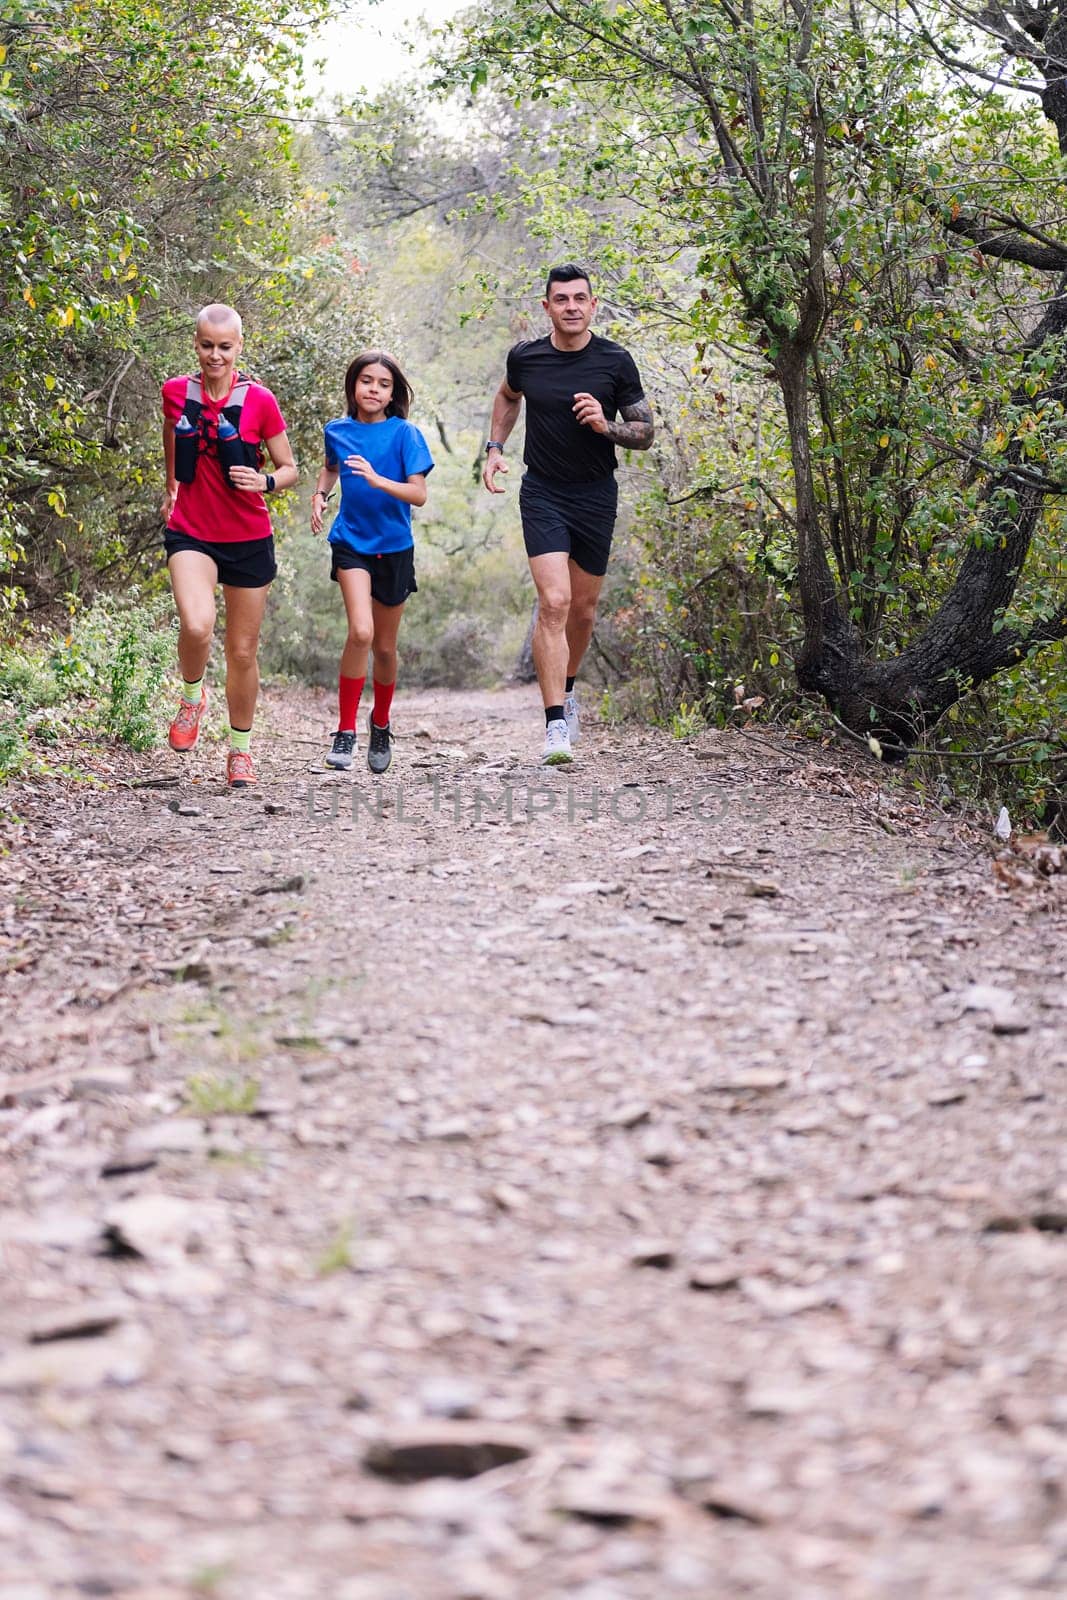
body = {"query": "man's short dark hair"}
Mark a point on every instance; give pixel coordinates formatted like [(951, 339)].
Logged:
[(567, 273)]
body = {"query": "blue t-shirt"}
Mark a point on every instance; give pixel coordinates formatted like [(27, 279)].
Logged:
[(368, 519)]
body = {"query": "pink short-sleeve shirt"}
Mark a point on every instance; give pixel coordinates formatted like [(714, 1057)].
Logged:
[(208, 508)]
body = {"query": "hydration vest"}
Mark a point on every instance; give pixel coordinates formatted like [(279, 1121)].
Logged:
[(191, 436)]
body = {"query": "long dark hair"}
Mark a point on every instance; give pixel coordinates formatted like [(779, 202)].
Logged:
[(403, 394)]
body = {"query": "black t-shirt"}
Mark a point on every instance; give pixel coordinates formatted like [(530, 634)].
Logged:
[(558, 446)]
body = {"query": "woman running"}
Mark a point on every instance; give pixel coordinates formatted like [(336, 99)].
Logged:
[(216, 427)]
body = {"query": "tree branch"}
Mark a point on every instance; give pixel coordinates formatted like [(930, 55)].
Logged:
[(1004, 246)]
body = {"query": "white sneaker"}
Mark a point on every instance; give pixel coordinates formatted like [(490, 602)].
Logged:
[(557, 750), (572, 717)]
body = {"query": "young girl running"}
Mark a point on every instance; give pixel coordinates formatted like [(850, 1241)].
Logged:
[(382, 461)]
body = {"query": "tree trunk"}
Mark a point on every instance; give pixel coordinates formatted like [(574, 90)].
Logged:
[(965, 643), (823, 620)]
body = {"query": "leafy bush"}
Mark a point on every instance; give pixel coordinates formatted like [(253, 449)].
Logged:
[(1004, 744), (167, 176), (707, 636), (103, 679), (459, 655), (687, 722), (709, 614), (138, 669)]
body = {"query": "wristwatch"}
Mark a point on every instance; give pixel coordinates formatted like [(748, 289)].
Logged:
[(494, 444), (268, 487)]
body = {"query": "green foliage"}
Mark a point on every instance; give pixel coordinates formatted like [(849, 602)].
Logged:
[(473, 614), (710, 606), (806, 191), (138, 668), (339, 1254), (207, 1095), (687, 721), (103, 679), (151, 164), (1004, 744), (209, 1580)]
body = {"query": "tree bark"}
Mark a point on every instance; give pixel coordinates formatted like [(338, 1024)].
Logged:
[(965, 643)]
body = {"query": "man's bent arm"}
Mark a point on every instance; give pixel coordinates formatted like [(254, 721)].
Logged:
[(506, 405), (635, 431)]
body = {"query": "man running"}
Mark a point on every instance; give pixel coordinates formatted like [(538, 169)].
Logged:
[(575, 385)]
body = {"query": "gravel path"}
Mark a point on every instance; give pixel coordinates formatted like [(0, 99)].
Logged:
[(655, 1192)]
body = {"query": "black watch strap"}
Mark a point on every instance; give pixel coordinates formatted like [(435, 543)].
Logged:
[(494, 444), (270, 483)]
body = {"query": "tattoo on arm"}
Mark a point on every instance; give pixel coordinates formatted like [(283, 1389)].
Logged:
[(635, 431)]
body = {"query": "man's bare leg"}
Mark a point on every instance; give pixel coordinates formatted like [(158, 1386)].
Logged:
[(552, 576), (581, 618)]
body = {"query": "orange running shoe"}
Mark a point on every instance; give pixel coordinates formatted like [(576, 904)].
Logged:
[(185, 729), (240, 773)]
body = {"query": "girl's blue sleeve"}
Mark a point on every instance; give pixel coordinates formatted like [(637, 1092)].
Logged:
[(415, 453), (330, 453)]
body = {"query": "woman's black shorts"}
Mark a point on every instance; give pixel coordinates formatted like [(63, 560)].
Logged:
[(578, 518), (392, 575), (242, 564)]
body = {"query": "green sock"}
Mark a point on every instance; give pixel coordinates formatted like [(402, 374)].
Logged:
[(192, 691), (241, 739)]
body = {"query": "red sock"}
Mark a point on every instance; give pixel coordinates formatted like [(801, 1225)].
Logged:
[(383, 699), (348, 693)]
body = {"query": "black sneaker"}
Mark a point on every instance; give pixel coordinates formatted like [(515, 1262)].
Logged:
[(379, 750), (344, 748)]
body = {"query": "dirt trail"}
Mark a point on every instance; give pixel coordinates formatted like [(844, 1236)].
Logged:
[(685, 1150)]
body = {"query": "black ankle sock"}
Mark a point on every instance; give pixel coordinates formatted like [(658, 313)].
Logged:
[(553, 714), (569, 686)]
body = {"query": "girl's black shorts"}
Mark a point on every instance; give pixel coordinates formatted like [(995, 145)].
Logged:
[(392, 575), (242, 564)]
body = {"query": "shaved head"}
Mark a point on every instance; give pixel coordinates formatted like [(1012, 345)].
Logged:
[(217, 315)]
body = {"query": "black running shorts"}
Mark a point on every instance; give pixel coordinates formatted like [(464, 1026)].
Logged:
[(578, 518), (242, 564), (392, 575)]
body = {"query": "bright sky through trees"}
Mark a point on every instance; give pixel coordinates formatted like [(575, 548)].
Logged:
[(366, 50)]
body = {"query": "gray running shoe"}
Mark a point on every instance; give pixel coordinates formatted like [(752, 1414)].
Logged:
[(557, 750), (572, 717), (344, 749), (379, 750)]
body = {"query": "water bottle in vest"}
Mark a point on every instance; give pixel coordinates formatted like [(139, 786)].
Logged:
[(186, 449), (231, 449)]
